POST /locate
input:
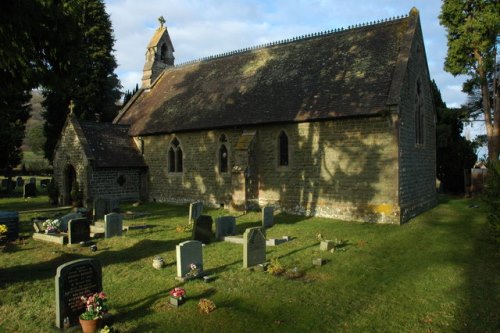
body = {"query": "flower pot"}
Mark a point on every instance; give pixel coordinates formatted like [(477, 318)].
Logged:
[(90, 326), (176, 301)]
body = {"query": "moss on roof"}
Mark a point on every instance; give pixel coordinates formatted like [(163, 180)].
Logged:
[(342, 74)]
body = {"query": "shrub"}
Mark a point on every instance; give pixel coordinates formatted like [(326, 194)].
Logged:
[(491, 196)]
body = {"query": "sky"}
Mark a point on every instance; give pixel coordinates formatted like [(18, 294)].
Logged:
[(203, 28)]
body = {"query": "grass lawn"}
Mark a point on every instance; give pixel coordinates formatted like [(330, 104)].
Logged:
[(438, 273)]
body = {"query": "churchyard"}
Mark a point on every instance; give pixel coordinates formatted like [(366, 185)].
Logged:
[(438, 273)]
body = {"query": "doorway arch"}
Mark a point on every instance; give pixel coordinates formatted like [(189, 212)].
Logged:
[(69, 179)]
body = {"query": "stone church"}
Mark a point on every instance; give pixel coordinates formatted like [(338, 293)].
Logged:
[(336, 124)]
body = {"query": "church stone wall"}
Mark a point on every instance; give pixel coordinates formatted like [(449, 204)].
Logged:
[(115, 183), (343, 169), (417, 186)]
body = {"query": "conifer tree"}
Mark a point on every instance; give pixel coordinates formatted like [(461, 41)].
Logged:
[(84, 70)]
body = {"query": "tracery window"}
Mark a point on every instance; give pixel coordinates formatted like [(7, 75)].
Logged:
[(175, 156), (419, 115), (223, 155)]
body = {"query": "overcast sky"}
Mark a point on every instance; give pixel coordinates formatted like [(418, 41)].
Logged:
[(202, 28)]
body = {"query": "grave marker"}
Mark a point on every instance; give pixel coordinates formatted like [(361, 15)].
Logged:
[(11, 221), (44, 183), (254, 247), (100, 208), (225, 226), (195, 210), (19, 181), (78, 231), (267, 217), (202, 229), (113, 225), (73, 280), (187, 253), (29, 190)]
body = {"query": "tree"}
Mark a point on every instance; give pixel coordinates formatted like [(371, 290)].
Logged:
[(453, 152), (83, 71), (36, 138), (128, 94), (21, 40), (473, 28)]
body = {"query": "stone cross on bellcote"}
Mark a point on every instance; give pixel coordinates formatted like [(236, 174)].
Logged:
[(162, 21), (71, 106)]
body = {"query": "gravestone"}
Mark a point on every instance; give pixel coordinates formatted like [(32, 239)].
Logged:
[(113, 225), (44, 183), (187, 253), (19, 181), (254, 247), (202, 229), (225, 226), (11, 221), (195, 210), (267, 217), (29, 190), (66, 218), (33, 180), (73, 280), (78, 231), (100, 208)]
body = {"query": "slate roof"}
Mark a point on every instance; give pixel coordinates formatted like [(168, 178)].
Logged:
[(109, 145), (355, 72)]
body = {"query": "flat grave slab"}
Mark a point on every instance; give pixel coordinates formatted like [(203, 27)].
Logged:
[(60, 239)]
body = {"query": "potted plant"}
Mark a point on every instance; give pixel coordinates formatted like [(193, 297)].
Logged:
[(95, 307), (177, 296)]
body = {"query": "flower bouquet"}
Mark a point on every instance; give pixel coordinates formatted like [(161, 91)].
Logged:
[(52, 226), (177, 296)]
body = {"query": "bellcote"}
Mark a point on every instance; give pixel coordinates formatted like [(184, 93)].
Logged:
[(159, 54)]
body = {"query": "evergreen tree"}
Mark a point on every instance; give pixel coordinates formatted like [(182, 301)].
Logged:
[(22, 41), (128, 94), (83, 71), (454, 153), (473, 33)]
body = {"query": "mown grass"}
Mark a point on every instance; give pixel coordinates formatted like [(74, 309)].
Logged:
[(438, 273)]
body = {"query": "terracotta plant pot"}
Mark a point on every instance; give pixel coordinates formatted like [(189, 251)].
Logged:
[(90, 326)]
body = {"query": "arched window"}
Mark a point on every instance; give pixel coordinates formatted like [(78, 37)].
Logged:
[(223, 154), (223, 158), (283, 149), (419, 115), (175, 156), (163, 52)]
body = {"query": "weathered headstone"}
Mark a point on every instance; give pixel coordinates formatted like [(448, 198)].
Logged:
[(73, 280), (202, 229), (44, 183), (225, 226), (267, 217), (11, 221), (113, 225), (66, 218), (19, 181), (100, 208), (33, 180), (29, 190), (195, 211), (78, 231), (254, 247), (188, 253)]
